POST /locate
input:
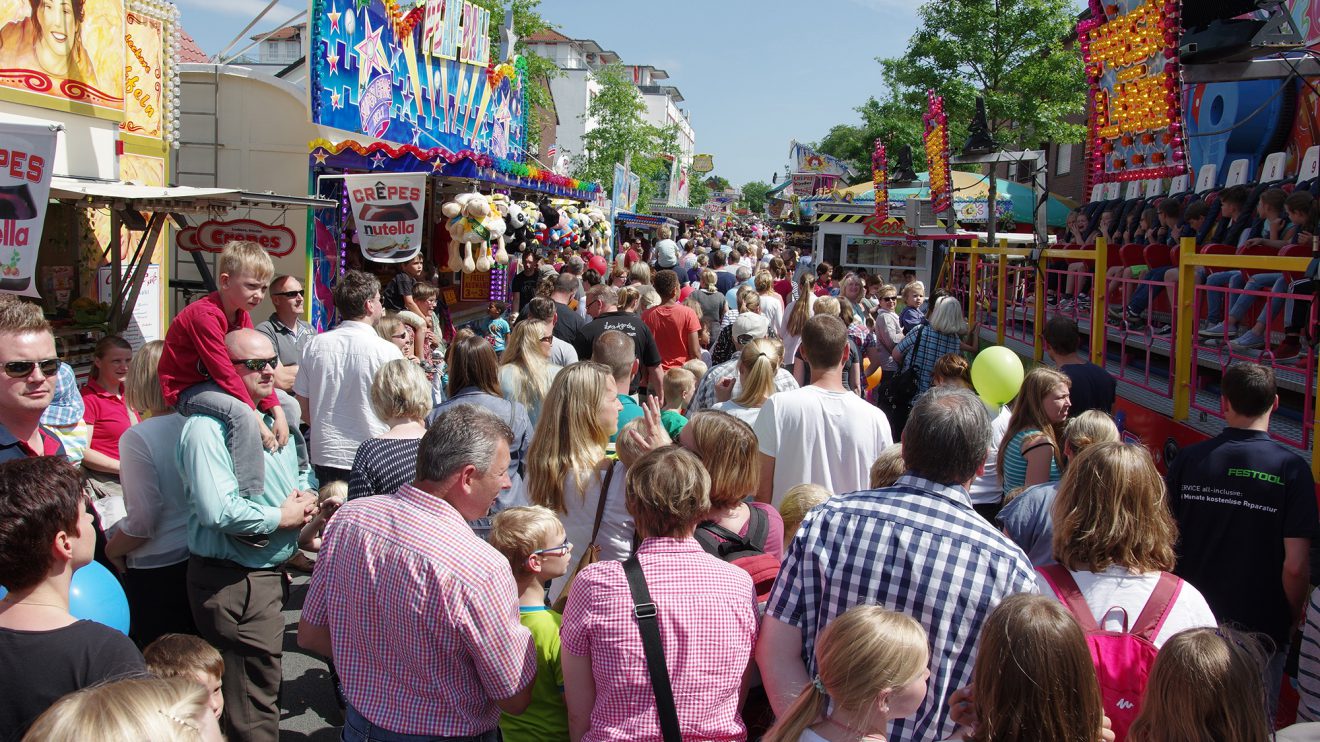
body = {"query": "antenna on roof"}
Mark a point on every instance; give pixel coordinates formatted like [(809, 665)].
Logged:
[(246, 28)]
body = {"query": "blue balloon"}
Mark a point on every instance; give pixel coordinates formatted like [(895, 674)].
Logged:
[(96, 595)]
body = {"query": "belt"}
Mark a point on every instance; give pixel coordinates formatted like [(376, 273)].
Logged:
[(231, 565)]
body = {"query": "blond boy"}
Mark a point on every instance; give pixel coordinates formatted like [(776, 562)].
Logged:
[(679, 385), (532, 539), (188, 656)]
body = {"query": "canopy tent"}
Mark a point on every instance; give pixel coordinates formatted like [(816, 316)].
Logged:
[(643, 221), (969, 188)]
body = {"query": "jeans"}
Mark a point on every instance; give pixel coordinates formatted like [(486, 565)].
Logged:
[(358, 729), (1300, 312), (242, 431), (1273, 678), (1259, 282), (1231, 279), (1146, 295)]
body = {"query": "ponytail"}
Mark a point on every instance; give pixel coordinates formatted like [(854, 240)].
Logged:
[(797, 319), (808, 708), (758, 365)]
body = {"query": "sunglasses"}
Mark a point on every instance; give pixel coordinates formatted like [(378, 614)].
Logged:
[(563, 548), (257, 364), (548, 339), (289, 294), (23, 369), (889, 298)]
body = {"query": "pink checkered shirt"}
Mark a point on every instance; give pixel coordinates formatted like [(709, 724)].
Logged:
[(423, 616), (708, 626)]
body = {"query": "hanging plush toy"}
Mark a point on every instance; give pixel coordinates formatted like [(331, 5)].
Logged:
[(471, 220), (600, 230), (501, 206)]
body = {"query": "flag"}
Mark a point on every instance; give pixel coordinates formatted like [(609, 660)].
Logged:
[(552, 152), (808, 160)]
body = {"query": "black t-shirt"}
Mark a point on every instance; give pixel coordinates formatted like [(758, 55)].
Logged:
[(40, 667), (725, 281), (525, 287), (392, 295), (1092, 388), (629, 324), (567, 323), (1236, 497)]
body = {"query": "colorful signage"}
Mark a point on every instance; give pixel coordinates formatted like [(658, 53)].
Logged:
[(65, 52), (388, 211), (936, 140), (1130, 48), (27, 153), (804, 184), (418, 73), (808, 160), (880, 180), (144, 76), (703, 164), (212, 236)]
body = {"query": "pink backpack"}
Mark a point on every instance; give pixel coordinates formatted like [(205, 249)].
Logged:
[(1123, 659)]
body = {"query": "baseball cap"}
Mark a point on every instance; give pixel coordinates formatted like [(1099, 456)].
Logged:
[(749, 326)]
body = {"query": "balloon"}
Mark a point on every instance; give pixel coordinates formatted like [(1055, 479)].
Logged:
[(873, 380), (997, 374), (97, 596)]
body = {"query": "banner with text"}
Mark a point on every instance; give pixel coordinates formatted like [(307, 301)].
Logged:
[(26, 155), (388, 212)]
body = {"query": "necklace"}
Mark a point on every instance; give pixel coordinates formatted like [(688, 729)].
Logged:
[(861, 733)]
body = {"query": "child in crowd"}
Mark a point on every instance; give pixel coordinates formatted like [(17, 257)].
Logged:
[(679, 386), (914, 295), (498, 329), (328, 501), (799, 501), (873, 667), (398, 293), (888, 467), (532, 539), (697, 368), (1205, 685), (190, 657), (626, 445), (198, 378)]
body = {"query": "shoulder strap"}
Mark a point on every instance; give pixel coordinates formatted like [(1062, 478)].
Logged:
[(706, 537), (1065, 587), (648, 625), (1158, 606), (911, 358), (600, 505), (758, 527)]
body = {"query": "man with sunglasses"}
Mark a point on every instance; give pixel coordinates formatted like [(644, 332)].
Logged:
[(27, 355), (236, 590), (286, 328)]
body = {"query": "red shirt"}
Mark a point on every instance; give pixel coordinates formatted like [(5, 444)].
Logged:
[(108, 415), (671, 324), (195, 352)]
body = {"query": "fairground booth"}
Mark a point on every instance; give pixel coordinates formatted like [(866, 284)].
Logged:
[(427, 152)]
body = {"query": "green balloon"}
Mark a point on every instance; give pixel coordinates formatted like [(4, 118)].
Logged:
[(997, 374)]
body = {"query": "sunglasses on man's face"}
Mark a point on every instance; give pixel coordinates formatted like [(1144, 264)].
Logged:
[(288, 294), (257, 364), (23, 369)]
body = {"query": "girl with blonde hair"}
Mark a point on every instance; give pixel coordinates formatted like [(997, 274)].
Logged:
[(164, 709), (797, 502), (1206, 686), (1029, 452), (873, 667), (772, 306), (796, 316), (758, 365), (525, 368), (852, 369)]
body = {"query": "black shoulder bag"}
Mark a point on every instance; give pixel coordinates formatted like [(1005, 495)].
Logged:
[(648, 625), (900, 392)]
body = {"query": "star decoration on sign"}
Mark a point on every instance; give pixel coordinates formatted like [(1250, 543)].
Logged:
[(378, 160), (333, 15), (396, 51), (437, 164), (336, 101), (331, 55), (371, 53), (321, 155)]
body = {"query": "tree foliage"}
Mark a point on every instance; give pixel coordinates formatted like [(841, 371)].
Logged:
[(622, 135), (754, 196), (718, 183), (698, 192)]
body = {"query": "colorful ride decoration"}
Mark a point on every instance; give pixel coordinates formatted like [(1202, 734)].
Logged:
[(1135, 117), (936, 140), (880, 180)]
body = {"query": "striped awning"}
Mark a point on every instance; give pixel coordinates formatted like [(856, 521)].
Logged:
[(841, 218), (643, 221)]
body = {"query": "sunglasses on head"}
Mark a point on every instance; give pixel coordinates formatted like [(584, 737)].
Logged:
[(23, 369), (257, 364), (288, 294)]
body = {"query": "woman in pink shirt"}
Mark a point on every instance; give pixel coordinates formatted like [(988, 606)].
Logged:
[(106, 413), (705, 608)]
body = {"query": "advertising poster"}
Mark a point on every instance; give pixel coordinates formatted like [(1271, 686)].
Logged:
[(144, 76), (26, 154), (808, 160), (144, 326), (65, 52), (388, 212)]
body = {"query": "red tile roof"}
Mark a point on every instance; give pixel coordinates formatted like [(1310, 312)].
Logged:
[(188, 49)]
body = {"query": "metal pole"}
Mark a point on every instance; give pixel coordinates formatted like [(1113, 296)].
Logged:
[(991, 213)]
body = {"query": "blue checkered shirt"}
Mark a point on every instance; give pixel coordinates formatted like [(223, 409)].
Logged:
[(66, 406), (933, 346), (918, 548)]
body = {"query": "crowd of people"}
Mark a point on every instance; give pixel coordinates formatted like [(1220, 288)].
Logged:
[(717, 489)]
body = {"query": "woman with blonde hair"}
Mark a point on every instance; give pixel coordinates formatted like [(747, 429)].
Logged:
[(713, 304), (525, 368), (796, 316), (1029, 452), (797, 502), (150, 546), (748, 302), (758, 364), (728, 449), (639, 274), (398, 332), (1027, 518), (772, 306), (872, 666), (629, 299), (702, 605), (1206, 686), (164, 709), (401, 397), (1113, 541), (852, 370)]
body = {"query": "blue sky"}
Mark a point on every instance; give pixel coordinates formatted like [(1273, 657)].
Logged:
[(754, 74)]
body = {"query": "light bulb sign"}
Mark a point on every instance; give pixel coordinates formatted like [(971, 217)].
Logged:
[(936, 140), (1130, 48), (880, 180)]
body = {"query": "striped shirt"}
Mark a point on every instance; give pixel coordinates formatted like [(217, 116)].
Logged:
[(1308, 666), (382, 466), (917, 548), (1015, 464), (423, 616)]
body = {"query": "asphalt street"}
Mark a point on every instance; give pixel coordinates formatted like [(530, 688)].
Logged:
[(308, 708)]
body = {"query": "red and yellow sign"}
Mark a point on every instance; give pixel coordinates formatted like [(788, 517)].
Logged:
[(65, 52), (144, 76), (936, 140)]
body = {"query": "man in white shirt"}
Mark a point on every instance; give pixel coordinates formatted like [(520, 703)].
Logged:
[(666, 251), (335, 375), (822, 433)]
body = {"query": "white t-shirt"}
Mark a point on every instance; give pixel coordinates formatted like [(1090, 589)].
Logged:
[(772, 308), (616, 525), (821, 437), (986, 489), (746, 414), (666, 254), (335, 375), (1116, 588)]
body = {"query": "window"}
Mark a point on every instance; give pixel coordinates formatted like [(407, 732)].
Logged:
[(1063, 159)]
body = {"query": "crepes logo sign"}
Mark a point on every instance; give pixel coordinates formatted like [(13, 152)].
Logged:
[(388, 212), (212, 236), (26, 155)]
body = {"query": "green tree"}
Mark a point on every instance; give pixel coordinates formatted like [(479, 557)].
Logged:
[(718, 183), (526, 21), (698, 192), (754, 195), (622, 136)]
